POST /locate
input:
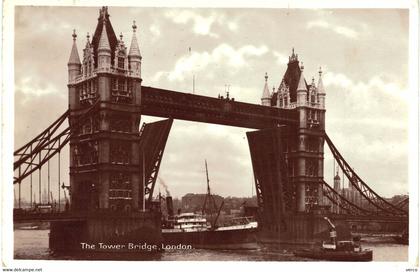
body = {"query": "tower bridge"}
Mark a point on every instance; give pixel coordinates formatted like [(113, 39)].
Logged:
[(114, 163)]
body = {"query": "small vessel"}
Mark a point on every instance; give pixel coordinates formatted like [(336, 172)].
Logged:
[(350, 251), (197, 231), (346, 251)]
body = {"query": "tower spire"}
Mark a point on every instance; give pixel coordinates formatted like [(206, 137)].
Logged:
[(266, 97), (302, 84), (74, 65), (103, 40), (293, 57), (134, 47), (320, 83), (321, 90), (74, 55), (301, 91), (134, 57)]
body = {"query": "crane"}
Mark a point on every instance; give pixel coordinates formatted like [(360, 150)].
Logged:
[(333, 232)]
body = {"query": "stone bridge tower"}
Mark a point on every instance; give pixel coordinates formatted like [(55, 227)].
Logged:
[(301, 146), (305, 154), (105, 91), (288, 161)]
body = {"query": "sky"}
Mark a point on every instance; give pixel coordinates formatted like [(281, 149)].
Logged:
[(363, 54)]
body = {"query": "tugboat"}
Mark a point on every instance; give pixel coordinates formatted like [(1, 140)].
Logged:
[(199, 232), (350, 251)]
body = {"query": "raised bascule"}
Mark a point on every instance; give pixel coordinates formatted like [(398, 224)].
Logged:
[(114, 162)]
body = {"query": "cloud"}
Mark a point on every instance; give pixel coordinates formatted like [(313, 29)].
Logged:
[(341, 30), (30, 87), (281, 59), (367, 91), (155, 30), (223, 54), (233, 26), (201, 25)]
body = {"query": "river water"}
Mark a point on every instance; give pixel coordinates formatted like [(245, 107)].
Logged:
[(33, 244)]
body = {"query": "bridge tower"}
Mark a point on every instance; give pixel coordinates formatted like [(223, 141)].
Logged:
[(105, 170), (113, 164), (288, 160), (306, 152)]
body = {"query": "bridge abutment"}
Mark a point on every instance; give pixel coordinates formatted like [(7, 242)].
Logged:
[(109, 228)]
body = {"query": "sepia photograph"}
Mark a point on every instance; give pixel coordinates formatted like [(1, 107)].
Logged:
[(250, 134)]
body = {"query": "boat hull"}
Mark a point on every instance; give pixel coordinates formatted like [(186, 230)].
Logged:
[(213, 239), (344, 256)]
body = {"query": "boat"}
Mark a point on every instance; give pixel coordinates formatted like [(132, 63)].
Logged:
[(349, 251), (190, 229), (345, 251), (197, 231)]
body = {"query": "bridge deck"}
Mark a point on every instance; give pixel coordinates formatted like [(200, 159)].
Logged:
[(190, 107), (24, 217)]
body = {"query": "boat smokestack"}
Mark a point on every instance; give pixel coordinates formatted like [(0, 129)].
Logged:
[(169, 206)]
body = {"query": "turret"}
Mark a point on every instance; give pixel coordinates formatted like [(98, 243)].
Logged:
[(321, 91), (337, 182), (301, 91), (74, 64), (266, 97), (88, 64), (104, 50), (134, 57)]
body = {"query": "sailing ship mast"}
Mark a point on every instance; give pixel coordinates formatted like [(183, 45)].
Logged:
[(211, 201)]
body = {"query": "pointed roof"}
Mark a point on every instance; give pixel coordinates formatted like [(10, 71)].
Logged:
[(321, 88), (134, 47), (266, 91), (292, 75), (302, 84), (104, 21), (103, 41), (74, 55)]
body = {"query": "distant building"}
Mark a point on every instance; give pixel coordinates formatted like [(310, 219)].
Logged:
[(337, 188), (194, 202)]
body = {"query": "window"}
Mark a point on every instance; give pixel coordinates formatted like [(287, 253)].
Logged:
[(120, 62)]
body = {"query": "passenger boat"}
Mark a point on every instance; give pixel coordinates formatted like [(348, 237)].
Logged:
[(192, 229)]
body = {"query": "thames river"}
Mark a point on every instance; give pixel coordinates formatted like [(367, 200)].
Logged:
[(33, 244)]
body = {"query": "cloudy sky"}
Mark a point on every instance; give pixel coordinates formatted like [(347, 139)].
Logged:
[(363, 53)]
